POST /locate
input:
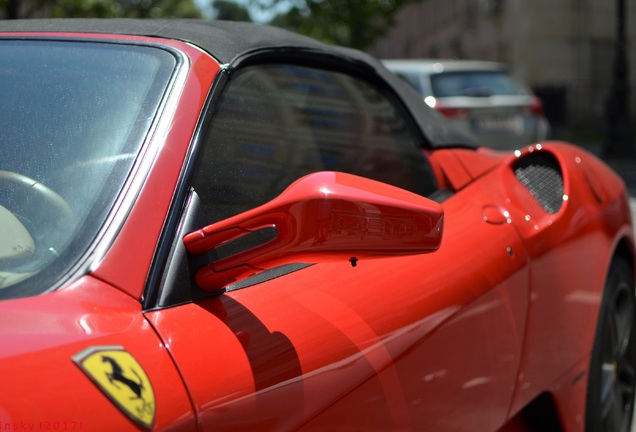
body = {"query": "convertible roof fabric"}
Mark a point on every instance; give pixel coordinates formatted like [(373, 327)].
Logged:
[(234, 43)]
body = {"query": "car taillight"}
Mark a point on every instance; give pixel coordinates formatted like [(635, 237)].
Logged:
[(452, 113), (448, 112), (535, 108)]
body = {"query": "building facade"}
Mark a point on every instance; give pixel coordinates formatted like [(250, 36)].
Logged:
[(564, 49)]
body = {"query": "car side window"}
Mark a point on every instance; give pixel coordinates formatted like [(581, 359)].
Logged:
[(277, 122), (273, 124)]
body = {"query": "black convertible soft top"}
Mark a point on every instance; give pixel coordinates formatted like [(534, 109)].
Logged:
[(235, 42)]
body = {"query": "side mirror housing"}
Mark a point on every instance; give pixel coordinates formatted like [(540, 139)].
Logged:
[(325, 216)]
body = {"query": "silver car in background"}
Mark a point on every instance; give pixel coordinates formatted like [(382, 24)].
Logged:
[(480, 97)]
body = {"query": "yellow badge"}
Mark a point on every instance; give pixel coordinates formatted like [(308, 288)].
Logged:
[(122, 379)]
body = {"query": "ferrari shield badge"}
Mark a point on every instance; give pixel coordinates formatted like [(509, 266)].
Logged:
[(120, 377)]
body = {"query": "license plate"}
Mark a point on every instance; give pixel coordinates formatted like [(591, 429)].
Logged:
[(508, 124)]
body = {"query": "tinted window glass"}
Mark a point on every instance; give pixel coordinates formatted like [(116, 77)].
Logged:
[(277, 123), (475, 83), (73, 117)]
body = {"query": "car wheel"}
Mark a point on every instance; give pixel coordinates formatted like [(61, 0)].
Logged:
[(612, 376)]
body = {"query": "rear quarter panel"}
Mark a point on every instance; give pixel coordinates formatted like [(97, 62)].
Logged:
[(570, 252)]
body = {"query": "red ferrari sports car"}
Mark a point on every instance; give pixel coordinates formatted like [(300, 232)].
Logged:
[(222, 226)]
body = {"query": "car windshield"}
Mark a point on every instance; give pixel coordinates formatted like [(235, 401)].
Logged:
[(475, 84), (73, 118)]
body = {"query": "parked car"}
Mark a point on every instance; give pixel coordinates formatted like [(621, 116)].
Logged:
[(225, 226), (481, 98)]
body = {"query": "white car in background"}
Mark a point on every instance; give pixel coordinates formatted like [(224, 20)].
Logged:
[(479, 97)]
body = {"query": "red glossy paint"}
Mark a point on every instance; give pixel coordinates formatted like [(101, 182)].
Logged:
[(450, 172), (455, 339), (41, 335), (577, 242), (48, 391), (313, 352)]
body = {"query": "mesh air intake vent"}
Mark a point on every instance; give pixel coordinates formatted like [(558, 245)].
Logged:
[(541, 174)]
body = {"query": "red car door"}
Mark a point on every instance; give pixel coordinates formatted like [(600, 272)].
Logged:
[(391, 342), (421, 341)]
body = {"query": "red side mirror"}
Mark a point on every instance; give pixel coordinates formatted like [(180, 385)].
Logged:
[(324, 216)]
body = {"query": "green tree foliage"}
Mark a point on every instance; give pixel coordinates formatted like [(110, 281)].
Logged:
[(126, 9), (353, 23), (12, 9), (228, 10), (100, 8)]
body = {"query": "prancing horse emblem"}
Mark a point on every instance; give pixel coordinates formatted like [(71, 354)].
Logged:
[(118, 375), (122, 379)]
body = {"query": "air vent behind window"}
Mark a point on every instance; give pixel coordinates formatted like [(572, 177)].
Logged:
[(541, 174)]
